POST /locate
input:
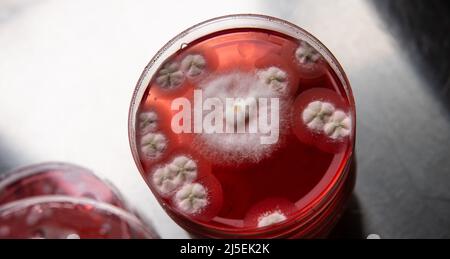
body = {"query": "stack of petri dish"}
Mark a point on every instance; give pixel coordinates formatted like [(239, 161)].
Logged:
[(65, 201)]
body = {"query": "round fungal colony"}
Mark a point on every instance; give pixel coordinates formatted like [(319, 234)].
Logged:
[(243, 129)]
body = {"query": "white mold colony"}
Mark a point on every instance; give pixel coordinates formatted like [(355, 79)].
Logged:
[(153, 145), (338, 126), (177, 180), (274, 78), (148, 122), (170, 76), (192, 198), (180, 171), (235, 148), (323, 117), (306, 55), (317, 114), (193, 65), (173, 74), (270, 218)]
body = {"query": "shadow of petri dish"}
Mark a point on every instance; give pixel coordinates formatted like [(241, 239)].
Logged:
[(421, 27)]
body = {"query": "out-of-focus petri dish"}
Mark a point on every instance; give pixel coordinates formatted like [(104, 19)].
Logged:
[(63, 217)]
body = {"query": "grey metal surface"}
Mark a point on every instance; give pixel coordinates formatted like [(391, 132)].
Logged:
[(68, 70)]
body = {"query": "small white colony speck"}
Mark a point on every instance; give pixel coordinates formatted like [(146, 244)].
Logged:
[(148, 122), (317, 114), (338, 126), (306, 54), (270, 218), (73, 236), (275, 78), (173, 175), (192, 198), (193, 65), (153, 145), (170, 76)]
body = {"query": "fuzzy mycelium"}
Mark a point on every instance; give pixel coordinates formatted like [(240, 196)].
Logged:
[(254, 121), (192, 198), (306, 54), (270, 218), (148, 122), (179, 171), (274, 78), (317, 114), (193, 65), (153, 145), (170, 76), (338, 126)]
